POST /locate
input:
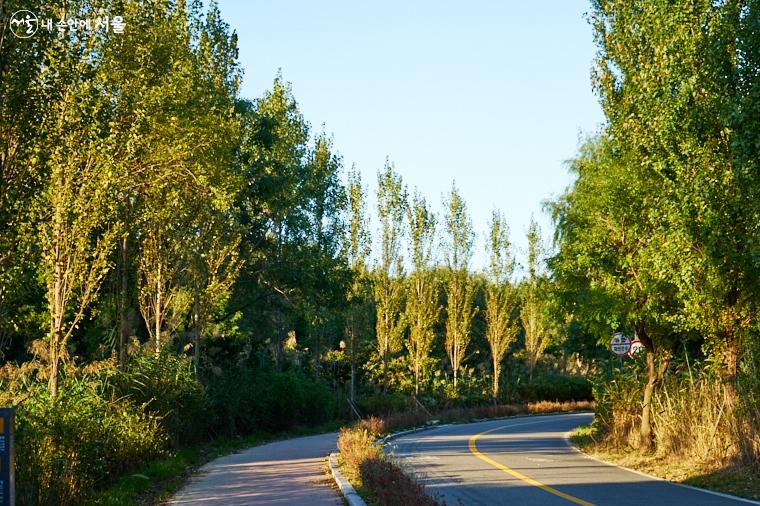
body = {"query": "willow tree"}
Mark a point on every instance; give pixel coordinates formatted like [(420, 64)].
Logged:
[(501, 327), (460, 288), (422, 307), (389, 271)]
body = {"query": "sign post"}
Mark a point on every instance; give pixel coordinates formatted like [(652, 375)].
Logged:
[(7, 469)]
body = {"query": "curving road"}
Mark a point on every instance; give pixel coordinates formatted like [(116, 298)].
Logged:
[(528, 461), (282, 473)]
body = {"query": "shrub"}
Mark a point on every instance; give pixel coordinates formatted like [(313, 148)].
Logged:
[(166, 386), (556, 387), (366, 465), (385, 404), (244, 401), (66, 448)]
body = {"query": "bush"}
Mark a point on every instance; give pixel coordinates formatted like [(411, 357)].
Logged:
[(556, 387), (244, 401), (366, 465), (384, 405), (166, 386), (66, 448)]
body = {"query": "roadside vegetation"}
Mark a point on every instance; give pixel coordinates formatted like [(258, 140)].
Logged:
[(180, 264), (657, 238), (381, 480)]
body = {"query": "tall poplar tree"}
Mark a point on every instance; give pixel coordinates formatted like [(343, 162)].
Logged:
[(531, 312), (358, 317), (460, 289), (389, 271), (422, 308), (78, 224), (501, 327)]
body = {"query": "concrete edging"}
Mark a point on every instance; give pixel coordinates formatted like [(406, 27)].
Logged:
[(348, 491)]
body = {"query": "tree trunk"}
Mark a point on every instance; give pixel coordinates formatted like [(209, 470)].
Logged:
[(352, 387), (417, 373), (57, 309), (55, 340), (196, 333), (123, 296), (496, 374), (645, 431), (655, 376), (158, 311), (386, 345), (455, 364)]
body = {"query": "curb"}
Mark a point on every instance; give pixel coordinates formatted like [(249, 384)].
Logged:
[(348, 491)]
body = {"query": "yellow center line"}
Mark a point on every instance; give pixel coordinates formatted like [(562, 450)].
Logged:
[(474, 449)]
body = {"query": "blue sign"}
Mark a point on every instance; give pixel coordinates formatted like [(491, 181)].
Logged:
[(7, 475)]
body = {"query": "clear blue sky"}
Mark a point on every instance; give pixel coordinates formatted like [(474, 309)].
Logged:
[(492, 94)]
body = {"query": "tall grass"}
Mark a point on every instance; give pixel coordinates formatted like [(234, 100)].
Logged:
[(697, 415), (377, 476), (695, 418)]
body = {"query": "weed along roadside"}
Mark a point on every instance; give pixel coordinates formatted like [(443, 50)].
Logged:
[(379, 480)]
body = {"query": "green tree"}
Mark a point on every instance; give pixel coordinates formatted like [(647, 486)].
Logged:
[(359, 303), (22, 111), (422, 309), (501, 327), (675, 98), (271, 155), (531, 311), (389, 272), (605, 268), (460, 288), (78, 225)]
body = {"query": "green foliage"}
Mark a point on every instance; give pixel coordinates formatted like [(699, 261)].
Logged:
[(556, 387), (389, 294), (422, 310), (501, 327), (166, 386), (82, 440), (459, 286)]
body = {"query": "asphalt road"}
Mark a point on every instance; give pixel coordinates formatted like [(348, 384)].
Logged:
[(528, 461), (282, 473)]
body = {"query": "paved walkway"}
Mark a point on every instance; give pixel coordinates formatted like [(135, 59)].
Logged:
[(284, 472)]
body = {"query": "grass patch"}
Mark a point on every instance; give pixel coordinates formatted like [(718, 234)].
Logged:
[(736, 480), (159, 480), (376, 478)]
